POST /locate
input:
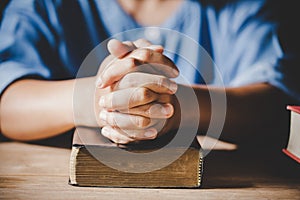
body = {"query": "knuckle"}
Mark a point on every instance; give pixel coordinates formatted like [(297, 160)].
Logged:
[(162, 81), (111, 120), (130, 63), (129, 79), (148, 111), (141, 122), (110, 101), (145, 54), (127, 42), (144, 94), (133, 135), (110, 88)]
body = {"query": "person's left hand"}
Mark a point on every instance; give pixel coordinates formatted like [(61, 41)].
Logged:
[(138, 56), (137, 110)]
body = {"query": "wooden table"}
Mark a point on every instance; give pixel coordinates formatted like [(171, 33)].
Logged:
[(30, 171)]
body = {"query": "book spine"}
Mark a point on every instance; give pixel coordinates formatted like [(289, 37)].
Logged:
[(291, 155)]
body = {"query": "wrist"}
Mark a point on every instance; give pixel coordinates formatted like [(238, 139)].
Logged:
[(85, 102)]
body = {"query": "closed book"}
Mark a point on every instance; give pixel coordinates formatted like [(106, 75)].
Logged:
[(293, 147), (95, 161)]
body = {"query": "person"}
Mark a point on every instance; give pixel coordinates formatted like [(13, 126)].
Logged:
[(43, 44)]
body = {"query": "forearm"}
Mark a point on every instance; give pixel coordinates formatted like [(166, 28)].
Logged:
[(256, 112), (249, 109), (35, 109)]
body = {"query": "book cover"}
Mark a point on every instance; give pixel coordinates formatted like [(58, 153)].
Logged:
[(95, 161), (293, 147)]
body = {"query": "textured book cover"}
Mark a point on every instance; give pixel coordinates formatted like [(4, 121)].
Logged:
[(95, 161)]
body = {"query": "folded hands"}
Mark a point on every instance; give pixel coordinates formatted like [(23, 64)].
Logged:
[(140, 101)]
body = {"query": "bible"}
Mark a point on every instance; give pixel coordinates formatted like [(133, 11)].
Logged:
[(293, 147), (96, 161)]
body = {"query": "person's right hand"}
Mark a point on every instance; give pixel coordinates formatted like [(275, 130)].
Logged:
[(136, 101), (138, 56)]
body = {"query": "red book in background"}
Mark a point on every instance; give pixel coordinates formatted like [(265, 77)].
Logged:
[(293, 146)]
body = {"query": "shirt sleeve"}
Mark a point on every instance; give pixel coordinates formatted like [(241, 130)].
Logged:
[(24, 39), (249, 50)]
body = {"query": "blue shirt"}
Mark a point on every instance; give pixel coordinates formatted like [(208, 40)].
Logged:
[(50, 39)]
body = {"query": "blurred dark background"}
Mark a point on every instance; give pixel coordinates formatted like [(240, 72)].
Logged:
[(286, 11), (3, 3)]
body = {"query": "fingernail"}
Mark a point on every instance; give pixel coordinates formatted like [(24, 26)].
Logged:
[(173, 87), (150, 133), (99, 83), (175, 72), (166, 110), (102, 115), (104, 131), (102, 102)]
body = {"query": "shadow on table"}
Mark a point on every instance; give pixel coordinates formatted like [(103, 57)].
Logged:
[(60, 141), (249, 168)]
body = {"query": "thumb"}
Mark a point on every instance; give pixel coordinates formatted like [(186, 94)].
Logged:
[(119, 49), (143, 43)]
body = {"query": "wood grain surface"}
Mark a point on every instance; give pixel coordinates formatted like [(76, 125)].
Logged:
[(30, 171)]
